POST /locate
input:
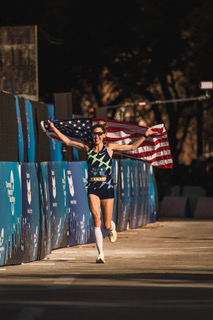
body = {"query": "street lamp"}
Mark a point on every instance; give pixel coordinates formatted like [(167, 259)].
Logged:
[(206, 85)]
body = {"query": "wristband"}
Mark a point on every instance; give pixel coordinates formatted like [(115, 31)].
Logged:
[(145, 136)]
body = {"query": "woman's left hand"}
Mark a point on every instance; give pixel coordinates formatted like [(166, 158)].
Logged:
[(149, 131)]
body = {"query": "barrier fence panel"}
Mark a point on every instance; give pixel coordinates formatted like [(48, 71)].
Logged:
[(146, 192), (45, 223), (115, 181), (57, 183), (42, 147), (123, 193), (30, 210), (11, 232), (134, 195), (21, 103), (80, 219), (55, 146), (141, 195), (30, 131), (152, 202), (20, 131)]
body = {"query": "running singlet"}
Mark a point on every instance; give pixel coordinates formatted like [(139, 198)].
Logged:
[(99, 172)]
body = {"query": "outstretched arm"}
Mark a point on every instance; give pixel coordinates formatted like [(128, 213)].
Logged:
[(67, 141), (134, 145)]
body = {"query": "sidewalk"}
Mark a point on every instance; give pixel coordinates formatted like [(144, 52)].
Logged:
[(163, 270)]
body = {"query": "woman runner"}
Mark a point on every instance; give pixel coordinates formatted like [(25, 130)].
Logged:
[(100, 185)]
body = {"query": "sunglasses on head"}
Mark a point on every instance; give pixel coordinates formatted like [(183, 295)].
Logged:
[(97, 134)]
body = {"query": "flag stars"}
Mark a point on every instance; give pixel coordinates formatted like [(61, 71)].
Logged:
[(76, 128)]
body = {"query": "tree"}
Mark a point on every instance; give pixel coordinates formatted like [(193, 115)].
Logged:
[(108, 52)]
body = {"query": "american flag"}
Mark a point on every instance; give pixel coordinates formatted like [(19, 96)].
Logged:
[(155, 149)]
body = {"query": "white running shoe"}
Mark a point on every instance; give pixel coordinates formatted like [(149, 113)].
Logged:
[(113, 235), (100, 258)]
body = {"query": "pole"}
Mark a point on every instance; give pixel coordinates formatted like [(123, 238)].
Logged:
[(200, 98), (199, 129)]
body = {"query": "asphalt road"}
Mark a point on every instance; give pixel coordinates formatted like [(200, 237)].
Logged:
[(161, 271)]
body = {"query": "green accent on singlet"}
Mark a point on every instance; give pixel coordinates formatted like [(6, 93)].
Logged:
[(105, 160), (96, 160)]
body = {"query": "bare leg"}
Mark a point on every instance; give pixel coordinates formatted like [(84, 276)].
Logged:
[(94, 205), (107, 210)]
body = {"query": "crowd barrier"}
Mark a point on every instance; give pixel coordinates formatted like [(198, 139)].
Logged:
[(44, 206), (43, 203)]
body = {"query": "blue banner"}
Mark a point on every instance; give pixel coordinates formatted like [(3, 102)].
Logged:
[(57, 182), (141, 194), (123, 193), (134, 194), (81, 229), (55, 146), (152, 201), (115, 181), (30, 131), (30, 210), (20, 132), (11, 240), (146, 182), (45, 207)]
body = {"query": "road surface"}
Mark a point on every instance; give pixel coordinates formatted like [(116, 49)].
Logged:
[(160, 271)]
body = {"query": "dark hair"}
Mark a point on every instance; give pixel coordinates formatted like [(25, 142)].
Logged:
[(100, 124)]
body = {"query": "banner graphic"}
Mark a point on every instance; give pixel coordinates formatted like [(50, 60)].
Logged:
[(57, 182), (146, 181), (134, 194), (30, 210), (55, 146), (20, 132), (80, 219), (141, 194), (45, 205), (124, 193), (152, 202), (30, 131), (11, 236)]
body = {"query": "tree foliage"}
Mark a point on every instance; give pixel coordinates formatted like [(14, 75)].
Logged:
[(109, 52)]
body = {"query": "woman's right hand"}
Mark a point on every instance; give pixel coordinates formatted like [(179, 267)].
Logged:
[(51, 124)]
